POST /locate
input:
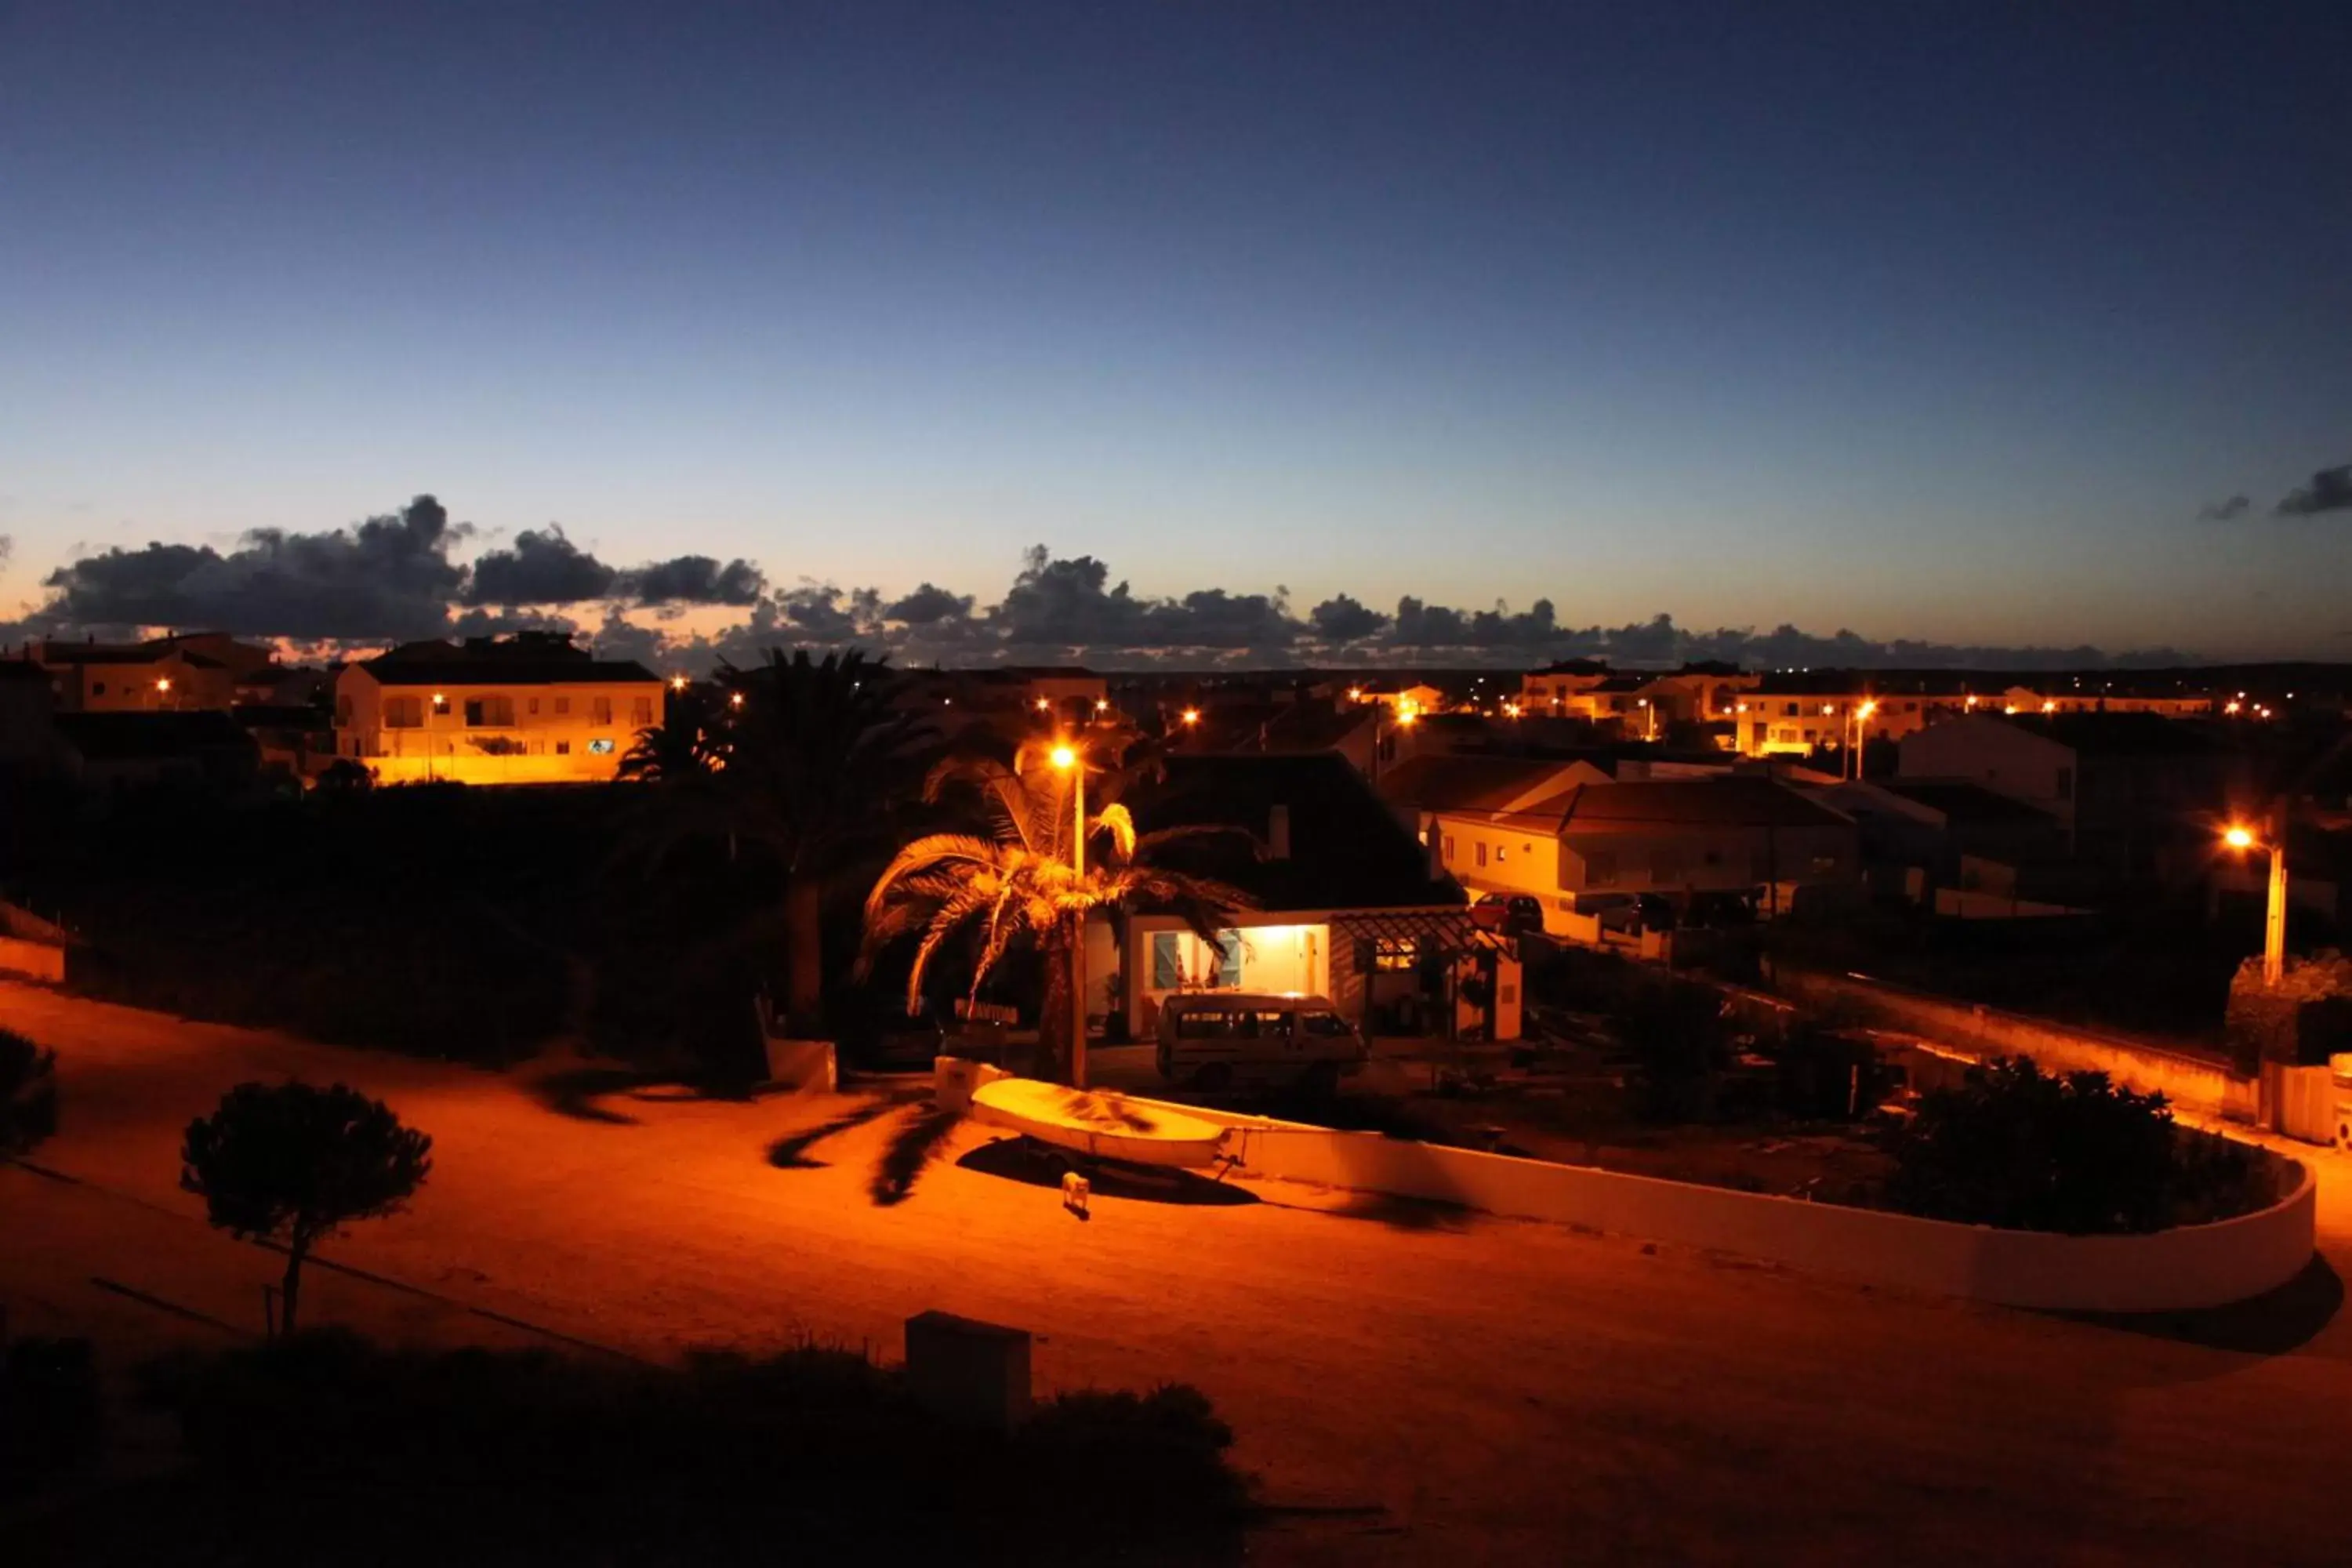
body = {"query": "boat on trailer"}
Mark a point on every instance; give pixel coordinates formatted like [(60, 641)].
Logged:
[(1099, 1125)]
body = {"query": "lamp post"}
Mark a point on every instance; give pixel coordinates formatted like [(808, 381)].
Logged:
[(1067, 759), (1861, 723), (2242, 837)]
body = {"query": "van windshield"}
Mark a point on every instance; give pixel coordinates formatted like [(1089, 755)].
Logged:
[(1201, 1023), (1320, 1023)]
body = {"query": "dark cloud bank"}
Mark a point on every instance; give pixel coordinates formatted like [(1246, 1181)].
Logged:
[(395, 576)]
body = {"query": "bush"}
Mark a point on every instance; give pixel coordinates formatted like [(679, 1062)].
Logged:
[(1823, 1074), (49, 1409), (1681, 1045), (817, 1455), (2014, 1147), (28, 1094)]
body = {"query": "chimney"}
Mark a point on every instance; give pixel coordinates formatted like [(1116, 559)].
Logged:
[(1278, 834)]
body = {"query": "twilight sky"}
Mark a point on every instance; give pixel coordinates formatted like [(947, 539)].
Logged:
[(1979, 324)]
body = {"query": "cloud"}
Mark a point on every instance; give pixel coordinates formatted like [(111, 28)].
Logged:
[(2225, 512), (388, 577), (391, 577), (2330, 490), (928, 605), (1341, 619), (697, 579), (541, 567)]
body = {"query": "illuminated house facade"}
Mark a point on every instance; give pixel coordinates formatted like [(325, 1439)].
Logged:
[(533, 711), (1348, 905), (177, 674)]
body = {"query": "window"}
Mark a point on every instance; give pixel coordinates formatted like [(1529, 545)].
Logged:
[(562, 748), (599, 710), (1392, 953), (1824, 864), (1229, 962), (98, 689), (563, 705), (534, 705), (404, 713), (1501, 850), (1325, 1023), (1482, 852), (641, 711), (343, 711), (1166, 961), (1600, 868), (1789, 710), (493, 710), (1449, 849)]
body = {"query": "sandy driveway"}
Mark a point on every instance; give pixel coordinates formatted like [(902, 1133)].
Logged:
[(1498, 1391)]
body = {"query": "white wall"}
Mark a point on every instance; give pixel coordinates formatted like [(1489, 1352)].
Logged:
[(2174, 1270)]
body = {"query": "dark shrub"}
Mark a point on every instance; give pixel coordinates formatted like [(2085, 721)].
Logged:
[(28, 1094), (1680, 1044), (2015, 1147), (1827, 1075), (817, 1455), (49, 1409)]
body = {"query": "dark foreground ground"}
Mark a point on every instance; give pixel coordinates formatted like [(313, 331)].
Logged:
[(1409, 1385)]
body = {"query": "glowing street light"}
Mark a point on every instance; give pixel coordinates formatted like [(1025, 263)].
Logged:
[(1191, 717), (677, 683), (1064, 758), (734, 700), (1043, 705), (2242, 837)]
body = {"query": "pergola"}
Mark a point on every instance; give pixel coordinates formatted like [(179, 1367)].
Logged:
[(1448, 934)]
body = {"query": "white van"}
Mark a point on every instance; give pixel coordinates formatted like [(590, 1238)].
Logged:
[(1217, 1039)]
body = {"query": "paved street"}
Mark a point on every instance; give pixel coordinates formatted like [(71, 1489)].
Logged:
[(1487, 1391)]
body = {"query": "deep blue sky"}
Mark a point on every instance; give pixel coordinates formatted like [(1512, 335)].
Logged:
[(1930, 320)]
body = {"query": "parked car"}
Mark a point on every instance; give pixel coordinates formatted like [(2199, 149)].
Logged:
[(1633, 912), (1221, 1039), (1515, 914)]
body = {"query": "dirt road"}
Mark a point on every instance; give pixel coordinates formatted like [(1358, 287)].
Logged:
[(1492, 1390)]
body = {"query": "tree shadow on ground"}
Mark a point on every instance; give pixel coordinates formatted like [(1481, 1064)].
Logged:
[(576, 1092), (912, 1147), (2271, 1323), (790, 1153), (1026, 1160), (1403, 1214)]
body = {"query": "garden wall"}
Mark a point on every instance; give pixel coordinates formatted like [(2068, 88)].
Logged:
[(2202, 1084), (2173, 1271)]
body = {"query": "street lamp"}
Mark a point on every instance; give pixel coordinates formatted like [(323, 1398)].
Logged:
[(1861, 723), (1191, 717), (677, 683), (1066, 760), (2241, 838)]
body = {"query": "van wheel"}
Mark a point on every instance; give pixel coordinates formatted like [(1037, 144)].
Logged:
[(1214, 1078), (1321, 1081)]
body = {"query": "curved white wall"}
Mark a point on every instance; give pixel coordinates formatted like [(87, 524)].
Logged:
[(2170, 1270)]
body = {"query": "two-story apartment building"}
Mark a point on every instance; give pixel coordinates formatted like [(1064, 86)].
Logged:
[(2130, 789), (187, 673), (534, 709)]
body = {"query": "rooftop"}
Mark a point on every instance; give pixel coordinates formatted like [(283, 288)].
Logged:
[(2116, 734), (1479, 783), (1347, 849), (1958, 800), (1693, 803), (389, 670)]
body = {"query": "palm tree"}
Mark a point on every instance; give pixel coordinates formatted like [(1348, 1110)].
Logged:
[(813, 759), (684, 745), (1018, 879)]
